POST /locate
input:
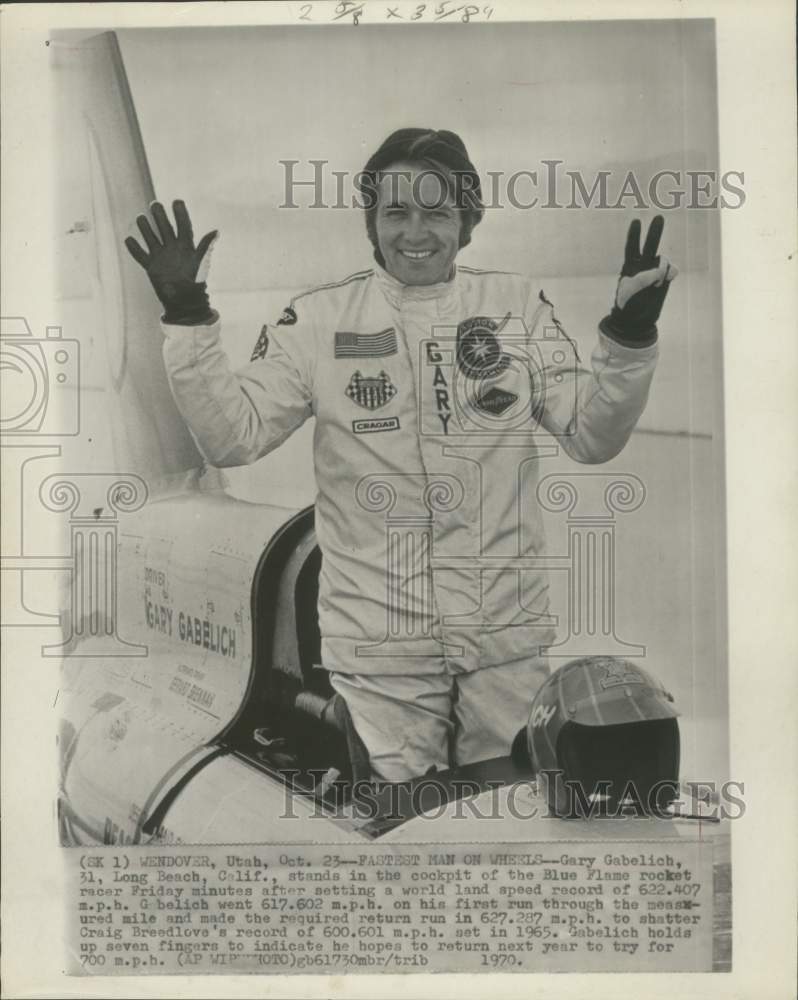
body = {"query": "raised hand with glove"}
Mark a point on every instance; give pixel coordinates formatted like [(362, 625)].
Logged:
[(176, 268), (641, 289)]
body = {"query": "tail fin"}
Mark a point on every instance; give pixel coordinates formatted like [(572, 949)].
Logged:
[(148, 435)]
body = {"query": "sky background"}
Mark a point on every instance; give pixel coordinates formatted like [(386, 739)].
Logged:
[(598, 96)]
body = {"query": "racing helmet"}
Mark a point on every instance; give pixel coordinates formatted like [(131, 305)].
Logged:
[(610, 730)]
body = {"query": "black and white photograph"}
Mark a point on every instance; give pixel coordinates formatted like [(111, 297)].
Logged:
[(377, 450)]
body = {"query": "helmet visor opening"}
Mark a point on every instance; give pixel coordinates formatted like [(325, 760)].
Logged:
[(609, 769)]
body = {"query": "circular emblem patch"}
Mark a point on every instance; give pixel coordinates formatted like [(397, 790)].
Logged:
[(479, 353)]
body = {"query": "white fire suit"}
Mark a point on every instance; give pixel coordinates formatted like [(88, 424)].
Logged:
[(435, 408)]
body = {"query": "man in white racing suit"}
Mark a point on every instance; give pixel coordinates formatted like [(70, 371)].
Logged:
[(438, 391)]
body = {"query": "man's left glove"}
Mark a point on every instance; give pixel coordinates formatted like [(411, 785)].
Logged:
[(641, 290), (176, 268)]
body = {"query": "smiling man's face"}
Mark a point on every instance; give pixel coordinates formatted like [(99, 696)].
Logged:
[(418, 225)]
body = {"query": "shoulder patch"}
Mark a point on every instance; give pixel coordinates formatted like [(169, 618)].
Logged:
[(262, 344), (288, 317)]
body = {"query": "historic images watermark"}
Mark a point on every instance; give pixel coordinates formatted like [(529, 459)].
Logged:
[(430, 798), (40, 382), (483, 386), (550, 185)]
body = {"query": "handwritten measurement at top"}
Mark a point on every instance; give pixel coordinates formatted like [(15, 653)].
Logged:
[(352, 11)]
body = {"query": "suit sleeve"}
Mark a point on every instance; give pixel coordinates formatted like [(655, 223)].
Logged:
[(238, 417), (592, 412)]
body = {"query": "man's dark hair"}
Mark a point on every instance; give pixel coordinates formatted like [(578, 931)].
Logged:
[(438, 151)]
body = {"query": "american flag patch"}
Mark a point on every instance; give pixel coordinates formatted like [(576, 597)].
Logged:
[(366, 345)]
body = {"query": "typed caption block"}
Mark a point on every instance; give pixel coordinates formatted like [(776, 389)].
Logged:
[(548, 907)]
